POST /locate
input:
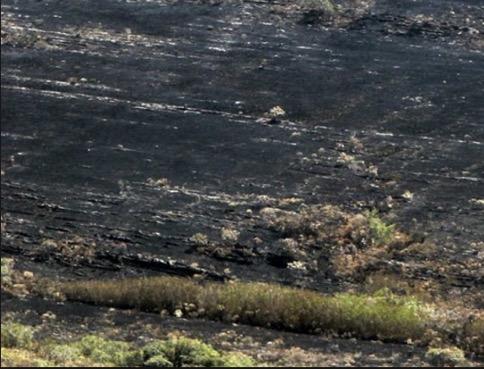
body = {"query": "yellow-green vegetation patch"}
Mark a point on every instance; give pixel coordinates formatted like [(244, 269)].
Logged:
[(381, 233), (447, 356), (182, 351), (382, 315), (6, 269), (13, 357), (473, 335), (104, 351), (17, 335), (93, 350)]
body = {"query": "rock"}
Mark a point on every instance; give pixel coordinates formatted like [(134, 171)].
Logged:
[(178, 313)]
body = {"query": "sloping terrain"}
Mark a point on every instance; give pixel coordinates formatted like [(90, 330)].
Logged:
[(128, 127)]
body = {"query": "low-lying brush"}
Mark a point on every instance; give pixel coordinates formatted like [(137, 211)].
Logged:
[(182, 351), (16, 335), (12, 357), (92, 350), (448, 356), (473, 336), (330, 226), (6, 270), (382, 315)]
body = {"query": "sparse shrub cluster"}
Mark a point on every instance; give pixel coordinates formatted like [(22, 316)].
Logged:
[(382, 316), (18, 347), (349, 240), (329, 225), (74, 250)]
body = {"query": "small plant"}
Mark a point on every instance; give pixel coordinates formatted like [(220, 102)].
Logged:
[(448, 356), (75, 249), (6, 270), (229, 234), (237, 359), (199, 239), (182, 351), (161, 182), (158, 361), (276, 112), (473, 335), (381, 233), (321, 5), (15, 335)]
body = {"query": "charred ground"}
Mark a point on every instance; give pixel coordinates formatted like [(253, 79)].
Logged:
[(130, 127)]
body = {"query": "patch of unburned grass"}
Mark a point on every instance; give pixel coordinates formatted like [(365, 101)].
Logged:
[(92, 350), (381, 315)]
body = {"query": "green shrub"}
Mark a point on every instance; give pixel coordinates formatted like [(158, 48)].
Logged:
[(237, 360), (105, 351), (158, 360), (62, 353), (473, 336), (14, 357), (17, 335), (91, 350), (449, 356), (182, 351), (381, 233), (6, 270)]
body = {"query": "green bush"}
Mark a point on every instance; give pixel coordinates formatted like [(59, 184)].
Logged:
[(14, 357), (17, 335), (449, 356), (381, 233), (6, 270), (237, 360), (182, 351), (105, 351), (62, 353), (158, 360), (18, 349)]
